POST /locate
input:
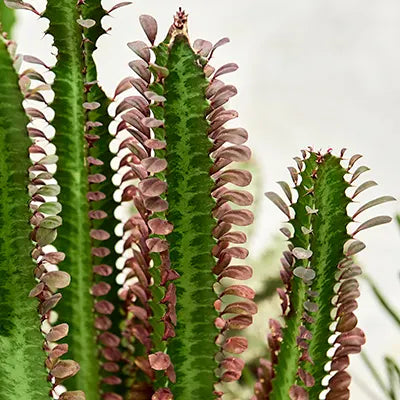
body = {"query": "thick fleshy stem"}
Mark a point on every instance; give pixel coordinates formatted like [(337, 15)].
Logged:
[(45, 221), (151, 195), (318, 271)]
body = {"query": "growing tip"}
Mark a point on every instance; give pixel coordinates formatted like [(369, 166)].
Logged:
[(179, 26)]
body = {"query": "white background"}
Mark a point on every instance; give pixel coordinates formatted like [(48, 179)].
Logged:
[(312, 72)]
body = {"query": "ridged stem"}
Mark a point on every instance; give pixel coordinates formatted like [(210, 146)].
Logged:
[(22, 371), (72, 176), (190, 205), (285, 370), (328, 238)]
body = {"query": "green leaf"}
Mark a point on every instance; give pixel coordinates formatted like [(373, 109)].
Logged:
[(51, 222), (22, 371), (45, 236), (49, 190), (52, 207), (51, 159)]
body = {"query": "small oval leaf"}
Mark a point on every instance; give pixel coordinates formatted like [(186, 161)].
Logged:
[(279, 202), (383, 219)]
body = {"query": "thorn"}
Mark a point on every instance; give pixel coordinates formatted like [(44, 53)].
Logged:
[(311, 210), (320, 158), (309, 191), (314, 174), (306, 231)]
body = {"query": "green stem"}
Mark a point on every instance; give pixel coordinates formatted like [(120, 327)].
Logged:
[(190, 203), (329, 237), (289, 353), (72, 175), (22, 371)]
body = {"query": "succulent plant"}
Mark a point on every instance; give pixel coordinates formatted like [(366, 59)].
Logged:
[(151, 306), (319, 273)]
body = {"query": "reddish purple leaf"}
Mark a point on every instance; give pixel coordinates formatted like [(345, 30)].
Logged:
[(236, 176), (298, 393), (340, 381), (35, 60), (65, 369), (159, 361), (149, 25), (156, 204), (338, 395), (56, 279), (238, 217), (306, 377), (235, 344), (74, 395), (57, 332), (202, 47), (157, 245), (346, 323), (340, 364), (160, 226), (220, 43), (163, 394), (154, 164), (239, 322), (104, 307), (246, 308), (142, 69), (100, 289), (240, 272), (225, 69), (125, 84), (119, 5), (238, 153), (141, 49), (152, 122)]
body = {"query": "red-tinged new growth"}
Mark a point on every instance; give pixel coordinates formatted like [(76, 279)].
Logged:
[(320, 286)]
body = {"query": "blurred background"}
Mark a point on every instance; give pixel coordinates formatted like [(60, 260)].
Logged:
[(312, 73)]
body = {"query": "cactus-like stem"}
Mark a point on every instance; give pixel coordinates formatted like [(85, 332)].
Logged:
[(192, 350), (188, 223), (84, 174), (22, 372), (72, 176), (319, 273), (101, 201)]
